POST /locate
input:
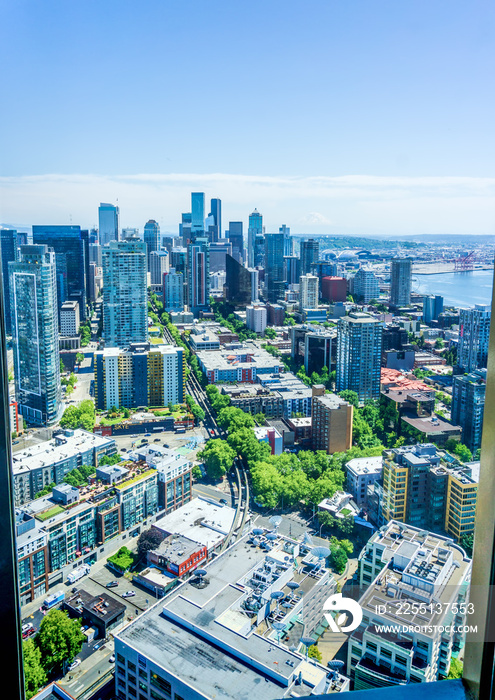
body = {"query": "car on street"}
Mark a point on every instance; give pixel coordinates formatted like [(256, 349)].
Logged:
[(27, 630), (74, 664), (164, 445), (223, 501), (112, 659), (212, 433), (128, 594), (111, 584)]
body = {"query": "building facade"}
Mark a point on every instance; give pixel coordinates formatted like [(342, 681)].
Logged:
[(8, 253), (33, 300), (474, 332), (108, 223), (331, 421), (400, 281), (359, 349), (468, 403), (152, 239), (125, 300)]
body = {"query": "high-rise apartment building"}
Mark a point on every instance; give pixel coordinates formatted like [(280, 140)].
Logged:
[(274, 266), (333, 289), (366, 286), (152, 239), (255, 235), (108, 223), (159, 264), (309, 254), (331, 421), (236, 237), (256, 318), (71, 246), (197, 214), (178, 259), (218, 254), (33, 300), (468, 403), (292, 268), (8, 253), (140, 375), (125, 301), (308, 292), (400, 281), (198, 275), (474, 332), (173, 290), (359, 348), (404, 568)]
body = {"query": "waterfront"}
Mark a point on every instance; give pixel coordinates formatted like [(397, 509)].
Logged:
[(462, 289)]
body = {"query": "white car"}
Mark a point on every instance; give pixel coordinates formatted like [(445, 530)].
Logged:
[(128, 594), (74, 664)]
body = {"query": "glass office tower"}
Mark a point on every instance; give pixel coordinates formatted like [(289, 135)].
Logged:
[(274, 268), (33, 299), (255, 232), (108, 223), (197, 214), (8, 252), (69, 244), (151, 238)]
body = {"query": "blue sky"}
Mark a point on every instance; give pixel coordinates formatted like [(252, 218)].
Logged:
[(329, 116)]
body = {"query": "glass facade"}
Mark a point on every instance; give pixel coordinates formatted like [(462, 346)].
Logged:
[(8, 252)]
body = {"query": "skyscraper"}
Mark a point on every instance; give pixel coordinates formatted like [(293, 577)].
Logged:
[(71, 246), (159, 264), (474, 331), (310, 252), (400, 281), (108, 223), (185, 231), (215, 228), (236, 237), (125, 303), (8, 253), (274, 266), (308, 292), (292, 269), (151, 238), (173, 290), (432, 308), (365, 285), (255, 232), (198, 275), (238, 285), (197, 214), (359, 349), (33, 300), (288, 247), (468, 403)]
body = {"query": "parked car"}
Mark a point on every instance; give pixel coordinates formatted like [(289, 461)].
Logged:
[(112, 659), (111, 584), (128, 594), (223, 501), (74, 664), (27, 630)]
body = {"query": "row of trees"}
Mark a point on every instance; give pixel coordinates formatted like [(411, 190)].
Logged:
[(58, 641)]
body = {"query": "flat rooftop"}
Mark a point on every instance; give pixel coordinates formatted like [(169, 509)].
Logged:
[(58, 449), (200, 520), (203, 635)]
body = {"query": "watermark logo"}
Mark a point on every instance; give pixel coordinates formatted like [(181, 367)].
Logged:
[(338, 604)]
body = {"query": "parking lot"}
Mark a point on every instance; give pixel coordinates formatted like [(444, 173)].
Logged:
[(188, 443)]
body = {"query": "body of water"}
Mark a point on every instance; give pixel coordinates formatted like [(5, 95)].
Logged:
[(462, 289)]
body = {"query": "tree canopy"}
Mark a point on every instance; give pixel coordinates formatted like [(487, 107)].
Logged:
[(59, 639)]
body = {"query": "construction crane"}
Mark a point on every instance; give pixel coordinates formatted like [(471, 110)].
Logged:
[(465, 262)]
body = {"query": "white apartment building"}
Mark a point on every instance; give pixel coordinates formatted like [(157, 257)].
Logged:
[(69, 318), (361, 472), (256, 318), (416, 585), (308, 292)]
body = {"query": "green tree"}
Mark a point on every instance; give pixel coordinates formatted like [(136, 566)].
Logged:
[(79, 358), (350, 396), (218, 456), (59, 639), (148, 540), (315, 653), (345, 524), (463, 453), (455, 669), (338, 559), (34, 673), (270, 333), (196, 472), (232, 419), (467, 543)]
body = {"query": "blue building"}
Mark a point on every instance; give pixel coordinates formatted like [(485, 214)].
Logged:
[(33, 300), (71, 246), (255, 239), (197, 214), (108, 223), (151, 238), (8, 252)]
